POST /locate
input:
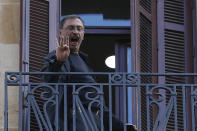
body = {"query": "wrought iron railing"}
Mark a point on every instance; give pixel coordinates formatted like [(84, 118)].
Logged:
[(159, 101)]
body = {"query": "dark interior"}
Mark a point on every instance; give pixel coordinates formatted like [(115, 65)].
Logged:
[(111, 9), (98, 48)]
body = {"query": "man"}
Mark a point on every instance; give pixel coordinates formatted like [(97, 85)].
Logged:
[(68, 58)]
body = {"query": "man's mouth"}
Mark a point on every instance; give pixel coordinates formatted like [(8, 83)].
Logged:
[(73, 43), (74, 38)]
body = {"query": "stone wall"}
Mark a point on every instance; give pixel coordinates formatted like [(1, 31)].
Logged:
[(9, 57)]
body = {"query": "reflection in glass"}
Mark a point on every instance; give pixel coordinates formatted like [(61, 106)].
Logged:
[(98, 20), (99, 12)]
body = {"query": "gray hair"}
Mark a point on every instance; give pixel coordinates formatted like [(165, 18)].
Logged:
[(70, 17)]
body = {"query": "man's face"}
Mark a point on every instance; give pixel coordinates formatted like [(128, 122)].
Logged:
[(74, 30)]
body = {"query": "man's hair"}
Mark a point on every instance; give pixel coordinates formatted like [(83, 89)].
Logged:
[(70, 17)]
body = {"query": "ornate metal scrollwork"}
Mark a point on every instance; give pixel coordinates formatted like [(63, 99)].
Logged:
[(131, 79), (117, 78), (194, 94), (48, 96), (194, 106), (157, 98), (124, 78), (93, 96), (13, 78)]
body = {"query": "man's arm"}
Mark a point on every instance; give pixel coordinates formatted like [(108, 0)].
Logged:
[(55, 60), (51, 65)]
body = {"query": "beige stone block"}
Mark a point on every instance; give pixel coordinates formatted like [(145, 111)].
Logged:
[(9, 23), (13, 105), (10, 129), (9, 1), (9, 62)]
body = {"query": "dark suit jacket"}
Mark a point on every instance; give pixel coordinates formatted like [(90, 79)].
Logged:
[(52, 65)]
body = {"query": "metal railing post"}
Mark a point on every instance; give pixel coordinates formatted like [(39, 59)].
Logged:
[(110, 103), (20, 103), (139, 101), (6, 105)]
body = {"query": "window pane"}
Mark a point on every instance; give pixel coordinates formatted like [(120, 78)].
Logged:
[(99, 12)]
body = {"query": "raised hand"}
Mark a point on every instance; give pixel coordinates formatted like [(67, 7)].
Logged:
[(62, 49)]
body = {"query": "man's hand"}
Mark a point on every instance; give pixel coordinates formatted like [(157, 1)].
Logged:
[(62, 49)]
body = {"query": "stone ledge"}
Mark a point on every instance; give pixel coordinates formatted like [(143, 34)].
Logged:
[(9, 129)]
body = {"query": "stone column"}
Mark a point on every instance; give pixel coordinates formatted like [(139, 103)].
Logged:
[(9, 58)]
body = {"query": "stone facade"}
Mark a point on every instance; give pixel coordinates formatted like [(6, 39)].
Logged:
[(9, 57)]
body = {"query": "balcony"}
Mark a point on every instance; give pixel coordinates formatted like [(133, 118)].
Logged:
[(152, 101)]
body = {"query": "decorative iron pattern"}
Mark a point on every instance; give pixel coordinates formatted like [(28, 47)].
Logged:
[(123, 78), (156, 97), (87, 114), (49, 96), (194, 107), (93, 118), (14, 78)]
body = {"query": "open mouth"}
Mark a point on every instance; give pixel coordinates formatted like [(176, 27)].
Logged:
[(74, 38)]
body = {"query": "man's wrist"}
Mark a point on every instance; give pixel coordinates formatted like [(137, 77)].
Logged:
[(58, 62)]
